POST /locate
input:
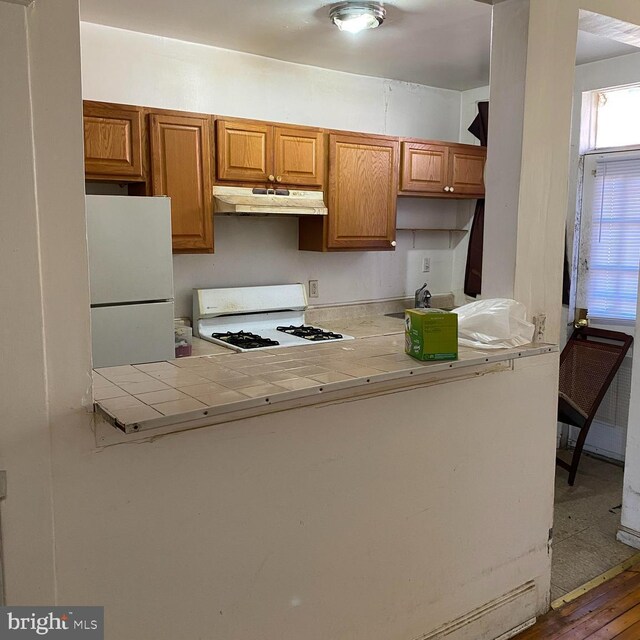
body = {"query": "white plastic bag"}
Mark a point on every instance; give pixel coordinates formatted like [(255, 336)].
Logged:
[(494, 324)]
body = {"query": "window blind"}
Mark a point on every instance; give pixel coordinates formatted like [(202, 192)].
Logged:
[(613, 242)]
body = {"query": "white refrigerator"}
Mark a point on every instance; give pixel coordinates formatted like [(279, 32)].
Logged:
[(131, 279)]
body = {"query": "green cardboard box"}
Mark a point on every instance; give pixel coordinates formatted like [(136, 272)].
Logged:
[(431, 334)]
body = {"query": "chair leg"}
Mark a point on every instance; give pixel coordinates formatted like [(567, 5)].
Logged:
[(577, 453)]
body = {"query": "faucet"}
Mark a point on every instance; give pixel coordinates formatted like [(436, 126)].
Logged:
[(422, 299)]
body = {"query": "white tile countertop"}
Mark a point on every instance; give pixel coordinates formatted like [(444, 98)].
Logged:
[(219, 387)]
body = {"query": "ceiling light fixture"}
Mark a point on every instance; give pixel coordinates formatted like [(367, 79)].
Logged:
[(357, 16)]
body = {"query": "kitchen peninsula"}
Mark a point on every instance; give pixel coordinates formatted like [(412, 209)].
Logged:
[(210, 389), (354, 462)]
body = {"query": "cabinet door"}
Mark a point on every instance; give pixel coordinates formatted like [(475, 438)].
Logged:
[(466, 170), (112, 142), (181, 169), (363, 178), (299, 156), (424, 167), (244, 151)]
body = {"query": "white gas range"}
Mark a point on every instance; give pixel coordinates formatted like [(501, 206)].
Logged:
[(250, 318)]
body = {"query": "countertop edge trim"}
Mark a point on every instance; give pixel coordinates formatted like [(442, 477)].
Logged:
[(322, 393)]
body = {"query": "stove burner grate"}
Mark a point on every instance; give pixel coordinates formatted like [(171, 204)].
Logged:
[(310, 333), (245, 339)]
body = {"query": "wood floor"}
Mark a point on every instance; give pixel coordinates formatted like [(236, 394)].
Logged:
[(609, 611)]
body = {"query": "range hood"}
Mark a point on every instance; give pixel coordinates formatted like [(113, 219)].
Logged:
[(262, 201)]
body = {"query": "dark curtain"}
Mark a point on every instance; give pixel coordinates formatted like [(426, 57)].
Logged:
[(473, 272)]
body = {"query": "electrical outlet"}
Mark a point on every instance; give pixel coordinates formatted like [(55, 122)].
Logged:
[(540, 324), (313, 288), (426, 265)]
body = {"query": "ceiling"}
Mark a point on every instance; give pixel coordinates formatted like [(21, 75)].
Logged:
[(441, 43)]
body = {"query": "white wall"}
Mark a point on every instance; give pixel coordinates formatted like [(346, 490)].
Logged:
[(54, 53), (133, 68), (630, 518), (44, 325), (24, 434), (510, 28)]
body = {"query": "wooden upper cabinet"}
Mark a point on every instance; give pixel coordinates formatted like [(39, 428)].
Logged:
[(441, 169), (424, 167), (466, 169), (113, 142), (259, 152), (363, 178), (299, 156), (181, 169), (243, 151)]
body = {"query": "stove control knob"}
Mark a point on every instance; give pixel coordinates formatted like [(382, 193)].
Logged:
[(271, 178), (393, 243)]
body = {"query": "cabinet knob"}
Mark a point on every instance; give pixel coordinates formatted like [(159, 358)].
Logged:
[(446, 188), (393, 243), (271, 178), (279, 179), (451, 189)]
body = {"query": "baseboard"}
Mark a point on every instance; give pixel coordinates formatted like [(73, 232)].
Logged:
[(495, 620), (516, 630), (629, 537), (606, 440)]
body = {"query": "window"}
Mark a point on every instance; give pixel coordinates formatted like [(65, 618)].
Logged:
[(610, 235), (616, 122)]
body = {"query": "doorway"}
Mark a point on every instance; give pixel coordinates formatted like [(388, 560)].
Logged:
[(605, 243)]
